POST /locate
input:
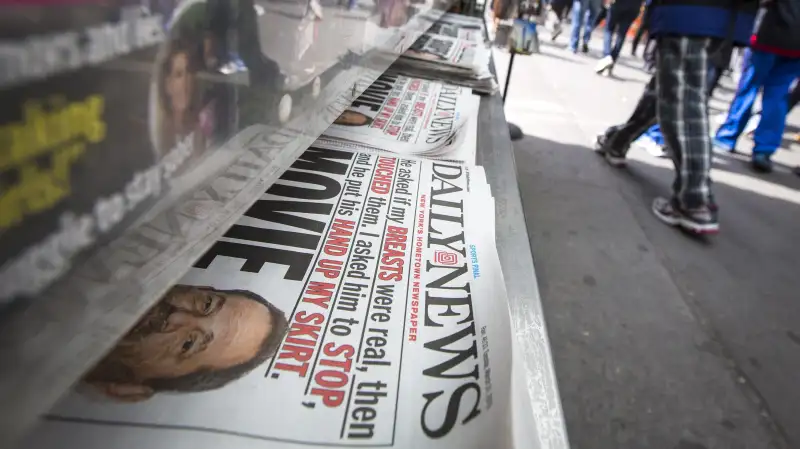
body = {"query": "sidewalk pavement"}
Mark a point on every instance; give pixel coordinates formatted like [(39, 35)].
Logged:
[(660, 340)]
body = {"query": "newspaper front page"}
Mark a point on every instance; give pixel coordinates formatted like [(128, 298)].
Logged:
[(461, 31), (452, 50), (460, 26), (358, 303), (404, 115), (449, 51)]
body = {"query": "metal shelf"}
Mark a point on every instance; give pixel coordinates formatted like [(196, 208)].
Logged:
[(496, 155)]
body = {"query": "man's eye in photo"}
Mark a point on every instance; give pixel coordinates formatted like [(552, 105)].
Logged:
[(208, 304), (188, 344)]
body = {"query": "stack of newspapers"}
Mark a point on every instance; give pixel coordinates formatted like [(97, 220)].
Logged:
[(409, 116), (358, 303), (454, 49)]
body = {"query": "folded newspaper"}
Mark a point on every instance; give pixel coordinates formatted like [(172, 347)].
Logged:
[(358, 303), (452, 59), (458, 25), (462, 27), (410, 117), (453, 54)]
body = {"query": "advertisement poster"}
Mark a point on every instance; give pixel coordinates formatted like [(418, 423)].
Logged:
[(77, 160)]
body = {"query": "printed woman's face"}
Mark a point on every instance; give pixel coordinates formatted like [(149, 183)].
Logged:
[(179, 83)]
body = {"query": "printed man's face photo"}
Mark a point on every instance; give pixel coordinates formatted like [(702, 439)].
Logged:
[(194, 339), (352, 118)]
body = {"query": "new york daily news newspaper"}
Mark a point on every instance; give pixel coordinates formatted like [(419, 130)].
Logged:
[(410, 117), (451, 52), (459, 26), (358, 303)]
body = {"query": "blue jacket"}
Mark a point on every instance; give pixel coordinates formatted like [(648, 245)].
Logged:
[(706, 18)]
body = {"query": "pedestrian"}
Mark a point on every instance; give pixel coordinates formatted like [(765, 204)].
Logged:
[(621, 15), (772, 66), (601, 16), (643, 26), (583, 15), (755, 119), (561, 9), (653, 141), (689, 38)]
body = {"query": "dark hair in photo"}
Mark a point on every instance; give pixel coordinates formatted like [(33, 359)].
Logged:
[(211, 379)]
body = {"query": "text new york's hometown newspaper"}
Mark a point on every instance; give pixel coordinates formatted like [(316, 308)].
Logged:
[(358, 303)]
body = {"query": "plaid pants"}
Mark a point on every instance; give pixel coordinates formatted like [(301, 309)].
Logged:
[(677, 97)]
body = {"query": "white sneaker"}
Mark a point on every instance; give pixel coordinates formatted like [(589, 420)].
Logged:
[(604, 64), (316, 8), (651, 147)]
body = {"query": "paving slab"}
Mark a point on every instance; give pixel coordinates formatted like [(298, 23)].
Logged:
[(659, 340)]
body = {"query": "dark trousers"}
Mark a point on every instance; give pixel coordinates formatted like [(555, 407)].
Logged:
[(714, 75), (677, 97), (617, 24), (561, 8), (640, 32), (794, 96)]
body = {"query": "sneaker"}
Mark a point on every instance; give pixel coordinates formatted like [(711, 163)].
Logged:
[(585, 47), (796, 170), (604, 64), (761, 162), (666, 212), (698, 221), (556, 31), (614, 157), (651, 147), (316, 9), (720, 148)]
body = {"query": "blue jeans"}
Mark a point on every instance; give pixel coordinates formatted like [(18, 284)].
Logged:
[(773, 75), (583, 14), (618, 22)]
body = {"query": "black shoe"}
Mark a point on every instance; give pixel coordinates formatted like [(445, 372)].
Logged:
[(796, 170), (613, 156), (699, 221), (761, 163), (556, 31), (585, 48)]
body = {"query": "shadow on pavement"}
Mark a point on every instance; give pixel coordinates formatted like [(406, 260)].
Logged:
[(740, 286)]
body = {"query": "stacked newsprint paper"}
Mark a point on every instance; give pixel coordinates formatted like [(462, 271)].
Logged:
[(462, 27), (453, 50), (409, 117), (358, 303)]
